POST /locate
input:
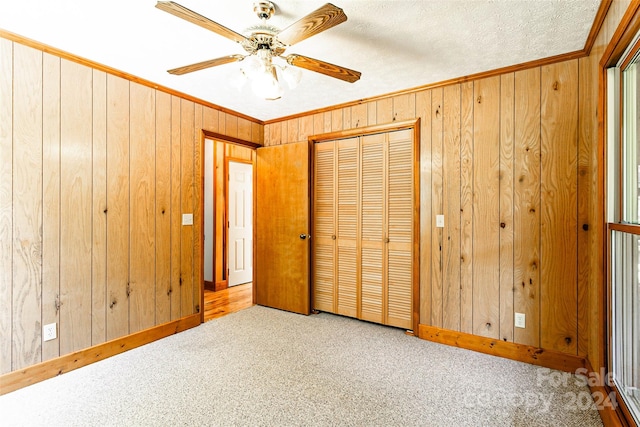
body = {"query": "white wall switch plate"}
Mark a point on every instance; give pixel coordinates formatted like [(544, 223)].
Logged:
[(49, 332), (520, 320), (187, 219), (440, 221)]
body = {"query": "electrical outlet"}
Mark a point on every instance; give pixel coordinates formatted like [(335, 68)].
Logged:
[(520, 320), (49, 332)]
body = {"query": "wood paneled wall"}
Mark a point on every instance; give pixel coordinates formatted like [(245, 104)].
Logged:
[(500, 160), (95, 174)]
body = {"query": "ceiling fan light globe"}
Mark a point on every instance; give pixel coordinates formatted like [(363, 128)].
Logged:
[(266, 86), (291, 76), (253, 67)]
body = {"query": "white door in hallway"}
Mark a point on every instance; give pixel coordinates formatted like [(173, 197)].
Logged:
[(240, 237)]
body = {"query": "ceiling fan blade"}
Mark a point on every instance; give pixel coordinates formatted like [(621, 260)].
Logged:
[(205, 64), (320, 20), (322, 67), (195, 18)]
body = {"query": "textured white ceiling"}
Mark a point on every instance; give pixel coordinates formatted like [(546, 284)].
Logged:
[(396, 44)]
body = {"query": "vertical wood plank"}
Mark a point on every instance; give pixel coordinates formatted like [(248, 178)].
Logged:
[(76, 133), (486, 207), (346, 118), (359, 116), (306, 128), (99, 211), (187, 203), (117, 206), (50, 199), (526, 204), (275, 134), (587, 144), (210, 120), (384, 110), (267, 135), (198, 184), (222, 123), (336, 120), (451, 208), (372, 113), (27, 206), (404, 107), (176, 210), (559, 138), (142, 218), (163, 207), (423, 108), (292, 129), (244, 128), (436, 205), (231, 125), (466, 207), (588, 109), (257, 133), (6, 203), (318, 123), (327, 122), (239, 152), (507, 102)]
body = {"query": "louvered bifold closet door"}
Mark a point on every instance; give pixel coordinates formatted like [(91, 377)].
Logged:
[(347, 189), (400, 221), (373, 233), (324, 237)]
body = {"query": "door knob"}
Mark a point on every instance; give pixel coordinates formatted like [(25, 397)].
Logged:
[(303, 236)]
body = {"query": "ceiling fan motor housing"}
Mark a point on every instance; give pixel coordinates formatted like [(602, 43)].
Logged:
[(264, 9)]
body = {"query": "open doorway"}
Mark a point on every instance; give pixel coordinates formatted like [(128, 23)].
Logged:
[(228, 227), (240, 223)]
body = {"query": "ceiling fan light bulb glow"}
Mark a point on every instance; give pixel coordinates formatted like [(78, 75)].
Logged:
[(292, 76), (266, 85), (253, 67)]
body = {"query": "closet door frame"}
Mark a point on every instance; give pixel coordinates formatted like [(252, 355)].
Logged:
[(413, 125)]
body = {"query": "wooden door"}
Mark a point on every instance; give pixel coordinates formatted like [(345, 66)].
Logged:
[(347, 226), (373, 220), (240, 223), (400, 225), (282, 227), (324, 228)]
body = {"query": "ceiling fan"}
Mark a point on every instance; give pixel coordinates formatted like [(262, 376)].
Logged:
[(266, 43)]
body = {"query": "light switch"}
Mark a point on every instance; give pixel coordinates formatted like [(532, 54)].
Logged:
[(519, 320), (187, 219), (440, 221)]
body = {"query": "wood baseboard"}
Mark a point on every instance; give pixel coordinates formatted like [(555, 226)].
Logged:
[(523, 353), (210, 286), (221, 285), (58, 366)]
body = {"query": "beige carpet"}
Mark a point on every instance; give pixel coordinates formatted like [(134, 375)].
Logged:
[(267, 367)]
